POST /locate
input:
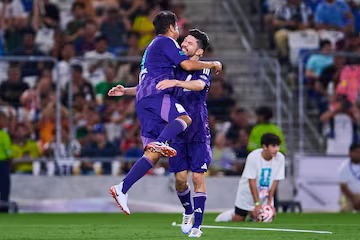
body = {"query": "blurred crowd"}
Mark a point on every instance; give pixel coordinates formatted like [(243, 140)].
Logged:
[(314, 32), (88, 39)]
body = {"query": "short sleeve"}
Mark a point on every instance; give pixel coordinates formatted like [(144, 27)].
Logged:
[(310, 65), (343, 174), (281, 171), (250, 171), (205, 76), (173, 52)]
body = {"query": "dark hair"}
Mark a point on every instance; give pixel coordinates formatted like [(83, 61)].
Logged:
[(100, 38), (354, 146), (203, 39), (270, 139), (264, 111), (77, 5), (77, 68), (163, 21), (324, 42)]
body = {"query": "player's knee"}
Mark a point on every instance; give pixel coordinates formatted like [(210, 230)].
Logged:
[(238, 218), (199, 181), (152, 156), (181, 185), (186, 119)]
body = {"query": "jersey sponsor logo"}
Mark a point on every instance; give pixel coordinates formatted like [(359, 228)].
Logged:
[(265, 177), (198, 210), (204, 166), (206, 71), (181, 53), (179, 108)]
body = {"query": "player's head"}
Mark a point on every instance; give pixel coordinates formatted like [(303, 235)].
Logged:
[(195, 43), (355, 152), (165, 23), (270, 144)]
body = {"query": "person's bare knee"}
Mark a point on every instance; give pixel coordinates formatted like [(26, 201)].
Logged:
[(181, 181), (152, 156), (199, 182), (186, 119), (238, 218)]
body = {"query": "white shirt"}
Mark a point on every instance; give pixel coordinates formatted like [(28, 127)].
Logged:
[(349, 174), (265, 172), (91, 57)]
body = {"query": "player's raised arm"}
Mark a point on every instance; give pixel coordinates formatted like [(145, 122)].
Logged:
[(120, 90), (194, 85), (191, 65)]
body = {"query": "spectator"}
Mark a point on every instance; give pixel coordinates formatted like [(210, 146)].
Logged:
[(132, 8), (86, 41), (28, 48), (239, 121), (96, 59), (334, 15), (103, 87), (115, 29), (223, 156), (341, 130), (291, 17), (263, 125), (64, 66), (132, 44), (79, 84), (143, 24), (314, 67), (13, 87), (23, 147), (219, 104), (349, 178), (100, 147), (240, 145), (5, 158), (74, 29)]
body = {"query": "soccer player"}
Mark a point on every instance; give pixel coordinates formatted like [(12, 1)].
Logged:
[(264, 168), (192, 145), (154, 106)]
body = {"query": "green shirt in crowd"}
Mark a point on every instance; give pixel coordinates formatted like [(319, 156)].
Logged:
[(259, 130), (5, 146)]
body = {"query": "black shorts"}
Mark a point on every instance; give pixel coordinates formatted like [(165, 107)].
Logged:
[(241, 212)]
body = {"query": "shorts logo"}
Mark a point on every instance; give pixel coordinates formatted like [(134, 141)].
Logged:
[(179, 108), (204, 166), (198, 210)]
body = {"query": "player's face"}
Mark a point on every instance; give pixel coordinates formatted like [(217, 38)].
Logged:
[(189, 46), (272, 149)]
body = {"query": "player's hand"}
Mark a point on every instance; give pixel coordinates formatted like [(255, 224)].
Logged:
[(217, 66), (256, 211), (165, 84), (117, 91)]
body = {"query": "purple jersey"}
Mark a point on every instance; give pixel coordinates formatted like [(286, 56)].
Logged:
[(159, 61), (195, 104)]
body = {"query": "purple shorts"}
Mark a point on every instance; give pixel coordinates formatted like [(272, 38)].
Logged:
[(195, 156), (154, 112)]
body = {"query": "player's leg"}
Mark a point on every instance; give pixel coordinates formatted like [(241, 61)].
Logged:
[(176, 116), (151, 126), (200, 160), (235, 215), (4, 184), (179, 165)]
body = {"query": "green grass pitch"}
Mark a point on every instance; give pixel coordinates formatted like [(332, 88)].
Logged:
[(158, 226)]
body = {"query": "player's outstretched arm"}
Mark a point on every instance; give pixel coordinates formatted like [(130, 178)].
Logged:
[(194, 85), (120, 90), (191, 65)]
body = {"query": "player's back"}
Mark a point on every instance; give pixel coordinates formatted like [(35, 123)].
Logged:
[(195, 104), (160, 59)]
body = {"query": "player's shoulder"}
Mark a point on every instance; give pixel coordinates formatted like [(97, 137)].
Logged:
[(167, 41), (255, 154), (344, 165), (280, 156)]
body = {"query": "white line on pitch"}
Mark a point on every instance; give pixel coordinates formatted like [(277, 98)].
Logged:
[(264, 229)]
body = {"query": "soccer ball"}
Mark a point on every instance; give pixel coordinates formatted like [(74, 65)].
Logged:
[(266, 214)]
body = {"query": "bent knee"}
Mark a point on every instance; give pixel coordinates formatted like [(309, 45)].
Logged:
[(186, 118), (181, 185)]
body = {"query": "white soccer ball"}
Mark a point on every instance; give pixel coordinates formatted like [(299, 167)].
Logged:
[(266, 214)]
